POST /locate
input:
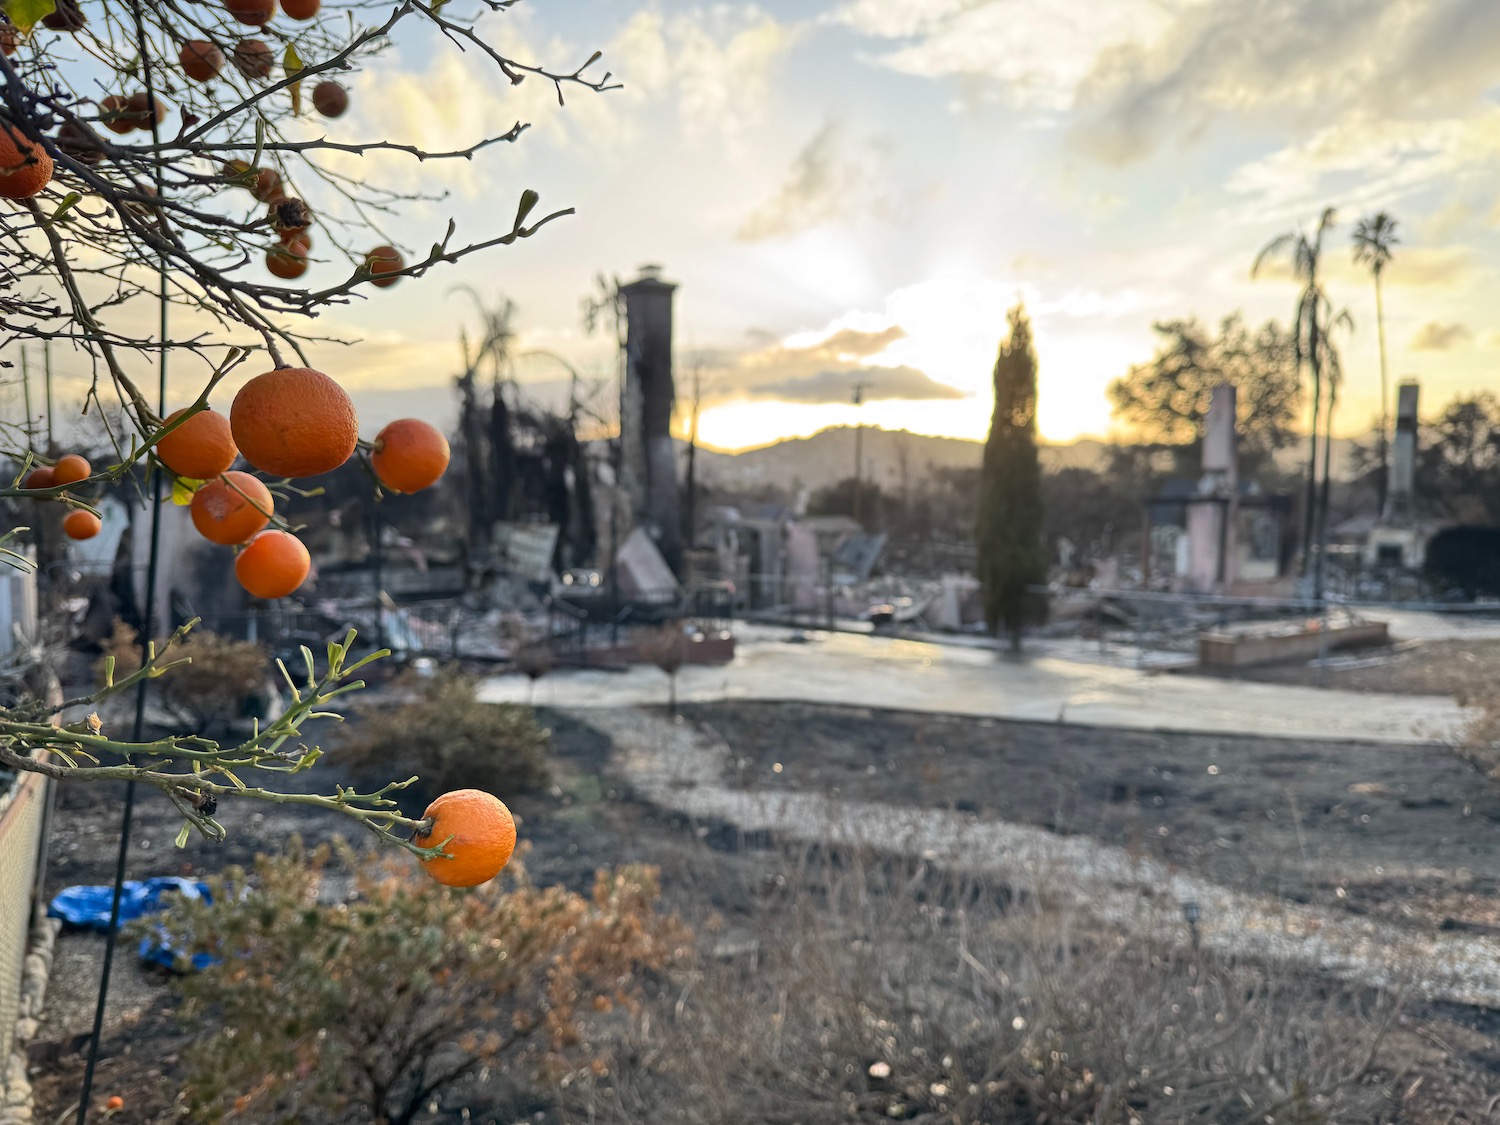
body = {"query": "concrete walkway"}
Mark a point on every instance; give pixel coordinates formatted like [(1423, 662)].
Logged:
[(914, 676), (681, 767)]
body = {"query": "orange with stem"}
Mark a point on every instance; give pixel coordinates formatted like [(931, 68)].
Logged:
[(483, 836), (200, 448), (294, 422), (232, 509)]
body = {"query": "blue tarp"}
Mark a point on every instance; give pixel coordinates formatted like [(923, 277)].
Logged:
[(89, 907)]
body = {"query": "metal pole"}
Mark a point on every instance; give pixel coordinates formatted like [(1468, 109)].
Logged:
[(127, 817)]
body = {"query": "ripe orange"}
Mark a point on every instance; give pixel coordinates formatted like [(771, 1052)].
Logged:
[(304, 236), (200, 448), (288, 260), (294, 422), (79, 524), (272, 565), (71, 469), (330, 99), (384, 259), (233, 509), (10, 39), (257, 13), (41, 477), (301, 9), (410, 455), (484, 835), (115, 1102), (25, 168), (253, 58), (267, 187), (201, 60)]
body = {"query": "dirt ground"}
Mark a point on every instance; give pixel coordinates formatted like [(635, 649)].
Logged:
[(1406, 833), (1467, 670)]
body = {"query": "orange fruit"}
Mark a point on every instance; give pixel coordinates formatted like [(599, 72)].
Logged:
[(272, 565), (301, 9), (79, 524), (25, 168), (384, 259), (268, 186), (138, 105), (10, 39), (304, 236), (71, 469), (330, 99), (484, 835), (409, 455), (41, 477), (233, 509), (288, 260), (200, 448), (294, 422), (257, 13), (253, 58), (201, 60), (115, 1102)]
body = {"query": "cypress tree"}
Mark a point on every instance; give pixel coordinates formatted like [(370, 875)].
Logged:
[(1012, 554)]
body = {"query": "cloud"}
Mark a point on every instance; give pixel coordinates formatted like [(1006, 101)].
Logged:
[(1302, 60), (831, 180), (824, 367), (875, 383), (1435, 337), (1033, 53)]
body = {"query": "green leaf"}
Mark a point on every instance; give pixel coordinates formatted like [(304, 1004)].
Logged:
[(529, 200), (183, 489), (182, 834), (70, 200), (292, 63), (26, 14)]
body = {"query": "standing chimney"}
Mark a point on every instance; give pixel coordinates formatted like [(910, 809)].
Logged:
[(649, 461), (1399, 506)]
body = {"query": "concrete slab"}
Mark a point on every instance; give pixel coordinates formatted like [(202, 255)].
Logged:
[(912, 675)]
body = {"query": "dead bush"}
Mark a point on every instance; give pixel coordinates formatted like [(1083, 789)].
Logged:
[(224, 680), (882, 990), (374, 1008), (452, 740)]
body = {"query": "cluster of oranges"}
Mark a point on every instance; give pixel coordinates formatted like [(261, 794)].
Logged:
[(291, 422), (68, 469)]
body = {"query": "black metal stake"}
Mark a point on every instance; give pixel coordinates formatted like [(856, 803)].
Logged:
[(127, 817)]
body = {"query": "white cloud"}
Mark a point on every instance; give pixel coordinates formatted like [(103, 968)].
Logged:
[(1036, 52)]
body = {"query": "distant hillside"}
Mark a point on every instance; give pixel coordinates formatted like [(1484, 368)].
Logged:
[(827, 457)]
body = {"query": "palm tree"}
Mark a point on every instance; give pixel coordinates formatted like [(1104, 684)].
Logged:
[(1312, 321), (1374, 237)]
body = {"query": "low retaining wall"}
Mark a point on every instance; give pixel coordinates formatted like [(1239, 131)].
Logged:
[(25, 940), (1242, 650)]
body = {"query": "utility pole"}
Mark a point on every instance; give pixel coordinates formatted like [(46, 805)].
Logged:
[(859, 450)]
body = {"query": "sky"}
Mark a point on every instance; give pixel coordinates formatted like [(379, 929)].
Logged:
[(857, 190)]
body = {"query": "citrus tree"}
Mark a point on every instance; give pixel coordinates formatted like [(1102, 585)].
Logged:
[(172, 176)]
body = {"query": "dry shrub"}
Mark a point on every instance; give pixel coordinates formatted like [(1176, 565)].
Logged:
[(869, 991), (373, 1009), (1479, 741), (452, 740), (225, 680)]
